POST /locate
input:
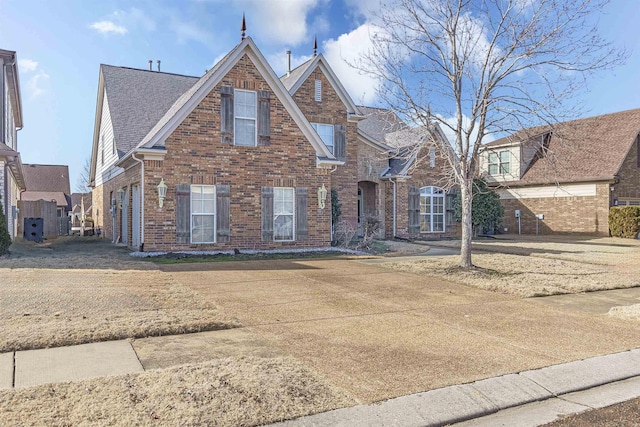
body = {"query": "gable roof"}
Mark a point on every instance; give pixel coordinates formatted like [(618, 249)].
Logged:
[(76, 199), (300, 74), (189, 100), (137, 99), (288, 80), (588, 149), (379, 122), (47, 178)]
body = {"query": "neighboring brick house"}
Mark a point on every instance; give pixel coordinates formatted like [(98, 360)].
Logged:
[(565, 179), (11, 169), (241, 164)]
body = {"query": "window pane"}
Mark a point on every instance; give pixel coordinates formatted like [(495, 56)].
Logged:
[(245, 104), (504, 156), (493, 169), (203, 229), (425, 225), (283, 227), (245, 132)]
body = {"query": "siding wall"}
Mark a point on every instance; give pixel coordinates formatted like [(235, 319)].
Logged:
[(105, 169)]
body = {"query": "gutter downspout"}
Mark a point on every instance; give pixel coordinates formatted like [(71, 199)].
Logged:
[(394, 207), (133, 156)]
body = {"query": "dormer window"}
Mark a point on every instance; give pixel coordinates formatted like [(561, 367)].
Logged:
[(499, 163), (318, 90)]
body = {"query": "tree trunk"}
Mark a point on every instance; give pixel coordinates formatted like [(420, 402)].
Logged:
[(466, 199)]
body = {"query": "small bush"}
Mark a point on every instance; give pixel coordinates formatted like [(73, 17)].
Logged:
[(624, 221), (371, 227), (5, 238)]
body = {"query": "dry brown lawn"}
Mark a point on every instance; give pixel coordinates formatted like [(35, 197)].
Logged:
[(630, 312), (72, 293), (243, 391), (539, 267)]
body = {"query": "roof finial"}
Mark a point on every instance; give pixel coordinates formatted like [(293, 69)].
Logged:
[(243, 29), (315, 45)]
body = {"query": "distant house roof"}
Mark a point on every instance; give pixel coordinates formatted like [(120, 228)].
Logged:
[(589, 149), (379, 122), (77, 197), (47, 178), (138, 99)]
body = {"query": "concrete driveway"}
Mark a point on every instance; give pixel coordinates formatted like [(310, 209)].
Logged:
[(379, 333)]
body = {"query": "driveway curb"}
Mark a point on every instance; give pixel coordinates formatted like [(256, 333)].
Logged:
[(459, 403)]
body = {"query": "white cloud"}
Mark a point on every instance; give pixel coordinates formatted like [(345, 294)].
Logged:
[(366, 9), (347, 49), (279, 21), (466, 122), (108, 27), (186, 31), (27, 65), (35, 85), (133, 18), (279, 61)]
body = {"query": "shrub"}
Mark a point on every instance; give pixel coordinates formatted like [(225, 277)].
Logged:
[(486, 210), (5, 238), (371, 226), (624, 221)]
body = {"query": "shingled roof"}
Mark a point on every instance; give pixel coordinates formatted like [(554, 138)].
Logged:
[(589, 149), (288, 80), (379, 123), (48, 178), (138, 99)]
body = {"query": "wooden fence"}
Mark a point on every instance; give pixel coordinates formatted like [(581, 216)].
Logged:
[(39, 209)]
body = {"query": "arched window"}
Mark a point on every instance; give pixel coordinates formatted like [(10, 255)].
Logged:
[(432, 210)]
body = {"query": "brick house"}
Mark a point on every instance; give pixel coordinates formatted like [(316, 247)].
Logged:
[(241, 164), (11, 170), (565, 179), (247, 159)]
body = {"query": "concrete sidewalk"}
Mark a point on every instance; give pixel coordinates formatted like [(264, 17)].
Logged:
[(556, 385)]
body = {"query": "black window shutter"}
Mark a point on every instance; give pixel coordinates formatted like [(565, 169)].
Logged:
[(267, 214), (223, 228), (226, 114), (301, 214), (414, 210), (339, 142), (264, 117), (183, 213)]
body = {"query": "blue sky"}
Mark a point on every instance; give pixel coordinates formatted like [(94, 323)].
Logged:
[(60, 45)]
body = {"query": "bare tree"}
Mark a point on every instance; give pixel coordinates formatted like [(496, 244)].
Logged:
[(484, 67), (82, 185)]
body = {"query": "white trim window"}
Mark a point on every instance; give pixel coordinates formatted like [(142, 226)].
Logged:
[(203, 214), (432, 210), (284, 201), (245, 108), (499, 163), (326, 134)]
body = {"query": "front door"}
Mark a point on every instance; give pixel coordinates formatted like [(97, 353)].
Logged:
[(125, 218), (135, 216)]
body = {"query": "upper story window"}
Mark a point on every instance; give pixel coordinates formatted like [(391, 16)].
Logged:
[(326, 134), (245, 107), (318, 90), (499, 163)]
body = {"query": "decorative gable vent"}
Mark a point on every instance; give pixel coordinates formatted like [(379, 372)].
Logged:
[(318, 92)]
